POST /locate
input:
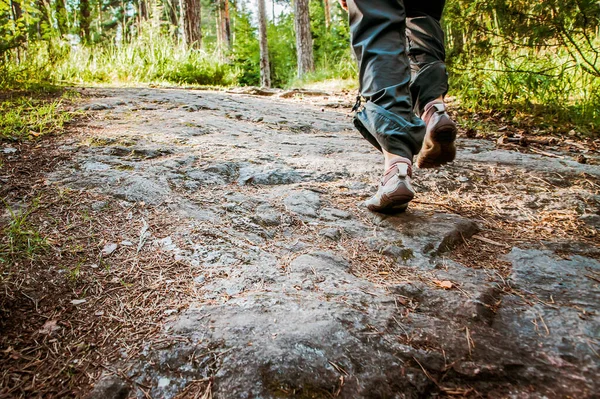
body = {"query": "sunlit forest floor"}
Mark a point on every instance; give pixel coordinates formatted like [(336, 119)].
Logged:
[(179, 243)]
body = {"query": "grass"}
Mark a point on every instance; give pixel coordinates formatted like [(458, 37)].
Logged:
[(536, 90), (151, 57), (330, 75), (26, 117), (21, 240)]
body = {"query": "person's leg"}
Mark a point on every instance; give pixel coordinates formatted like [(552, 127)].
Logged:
[(387, 119), (426, 51), (429, 83), (378, 39)]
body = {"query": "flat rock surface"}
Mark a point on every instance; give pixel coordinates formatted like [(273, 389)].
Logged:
[(486, 287)]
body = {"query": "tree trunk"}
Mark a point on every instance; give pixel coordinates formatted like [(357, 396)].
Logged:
[(220, 26), (61, 16), (171, 6), (327, 8), (143, 10), (190, 23), (304, 48), (19, 37), (84, 20), (16, 10), (265, 69), (44, 20), (227, 21), (223, 25)]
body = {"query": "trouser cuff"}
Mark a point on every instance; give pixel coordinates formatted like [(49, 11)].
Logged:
[(385, 130)]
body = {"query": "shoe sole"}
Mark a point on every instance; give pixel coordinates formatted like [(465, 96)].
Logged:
[(439, 149), (392, 205), (392, 209)]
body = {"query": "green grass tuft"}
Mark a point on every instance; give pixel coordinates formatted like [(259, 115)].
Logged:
[(21, 240), (27, 118)]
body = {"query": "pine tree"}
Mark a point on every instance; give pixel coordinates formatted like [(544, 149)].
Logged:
[(304, 45), (265, 70), (190, 12)]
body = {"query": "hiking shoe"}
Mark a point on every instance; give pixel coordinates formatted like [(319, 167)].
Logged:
[(438, 145), (395, 190)]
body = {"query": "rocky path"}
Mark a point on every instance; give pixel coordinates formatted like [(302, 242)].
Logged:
[(489, 286)]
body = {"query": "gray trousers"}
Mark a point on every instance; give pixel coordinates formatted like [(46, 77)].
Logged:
[(399, 45)]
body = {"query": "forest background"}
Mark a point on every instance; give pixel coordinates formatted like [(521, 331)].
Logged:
[(530, 63)]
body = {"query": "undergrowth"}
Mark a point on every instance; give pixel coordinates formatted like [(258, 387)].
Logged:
[(20, 238), (28, 115), (539, 91)]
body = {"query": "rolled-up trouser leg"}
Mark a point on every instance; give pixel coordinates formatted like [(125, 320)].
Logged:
[(379, 41), (426, 51)]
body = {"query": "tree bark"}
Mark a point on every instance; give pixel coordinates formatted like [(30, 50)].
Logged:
[(44, 20), (143, 10), (223, 24), (227, 23), (327, 8), (16, 10), (171, 6), (84, 20), (219, 25), (304, 46), (61, 16), (190, 23), (265, 69)]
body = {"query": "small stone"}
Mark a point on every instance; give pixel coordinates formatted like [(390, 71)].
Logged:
[(298, 246), (98, 206), (199, 279), (191, 108), (304, 203), (109, 249), (259, 119), (109, 387), (96, 107), (393, 251), (164, 382), (78, 301), (9, 150), (332, 214), (229, 206), (127, 243), (331, 233), (463, 179), (591, 220), (252, 175), (266, 215)]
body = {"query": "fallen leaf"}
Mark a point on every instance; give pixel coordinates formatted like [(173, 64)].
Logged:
[(109, 249), (49, 327), (444, 284)]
